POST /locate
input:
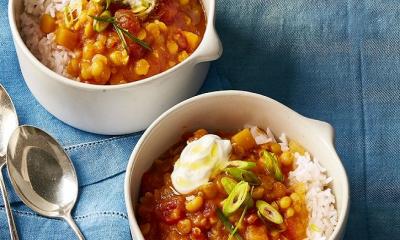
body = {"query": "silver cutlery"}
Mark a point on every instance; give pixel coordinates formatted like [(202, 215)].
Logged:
[(42, 174), (8, 122)]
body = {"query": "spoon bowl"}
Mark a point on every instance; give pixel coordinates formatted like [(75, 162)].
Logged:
[(42, 174)]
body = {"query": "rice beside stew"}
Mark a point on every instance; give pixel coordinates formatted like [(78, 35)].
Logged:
[(242, 185)]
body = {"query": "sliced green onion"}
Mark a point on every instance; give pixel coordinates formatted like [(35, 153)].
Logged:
[(272, 165), (104, 18), (72, 13), (228, 225), (243, 175), (236, 198), (266, 211), (238, 224), (100, 26), (228, 184), (242, 164)]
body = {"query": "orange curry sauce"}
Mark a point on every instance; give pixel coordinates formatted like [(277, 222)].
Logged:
[(164, 214), (173, 30)]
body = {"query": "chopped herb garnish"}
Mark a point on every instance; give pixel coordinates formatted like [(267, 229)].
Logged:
[(243, 175), (272, 165), (238, 224), (121, 32), (227, 224)]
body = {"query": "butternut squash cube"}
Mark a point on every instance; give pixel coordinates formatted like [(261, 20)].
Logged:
[(244, 139), (66, 38), (192, 40), (47, 24)]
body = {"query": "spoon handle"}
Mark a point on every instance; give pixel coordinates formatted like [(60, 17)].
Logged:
[(74, 227), (10, 218)]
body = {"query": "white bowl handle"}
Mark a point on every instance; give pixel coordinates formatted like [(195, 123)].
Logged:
[(211, 47), (325, 129)]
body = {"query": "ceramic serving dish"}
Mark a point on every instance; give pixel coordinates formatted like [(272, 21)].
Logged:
[(117, 109), (231, 110)]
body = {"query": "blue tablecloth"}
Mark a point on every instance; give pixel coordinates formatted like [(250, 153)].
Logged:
[(334, 60)]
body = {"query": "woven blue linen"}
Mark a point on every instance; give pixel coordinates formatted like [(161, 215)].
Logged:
[(334, 60)]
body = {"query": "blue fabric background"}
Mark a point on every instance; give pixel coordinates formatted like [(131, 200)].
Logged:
[(334, 60)]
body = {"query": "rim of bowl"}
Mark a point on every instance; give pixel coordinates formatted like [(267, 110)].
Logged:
[(18, 41), (342, 218)]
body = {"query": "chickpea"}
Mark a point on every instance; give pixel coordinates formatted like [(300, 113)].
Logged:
[(275, 148), (88, 30), (195, 204), (286, 158), (258, 193), (97, 68), (172, 47), (142, 67), (182, 56), (142, 34), (297, 207), (88, 51), (175, 214), (289, 212), (153, 29), (210, 190), (161, 25), (99, 46), (285, 202), (184, 226), (295, 197), (99, 57), (86, 73)]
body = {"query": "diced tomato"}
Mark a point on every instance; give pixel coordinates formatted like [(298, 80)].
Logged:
[(171, 210), (127, 20)]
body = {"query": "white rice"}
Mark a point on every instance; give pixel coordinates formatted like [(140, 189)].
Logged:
[(41, 45), (319, 198)]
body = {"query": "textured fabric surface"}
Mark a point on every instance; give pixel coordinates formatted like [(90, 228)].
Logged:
[(333, 60)]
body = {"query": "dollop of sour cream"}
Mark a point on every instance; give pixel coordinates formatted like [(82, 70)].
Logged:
[(199, 161)]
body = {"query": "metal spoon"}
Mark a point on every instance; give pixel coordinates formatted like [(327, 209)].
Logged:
[(42, 174), (8, 122)]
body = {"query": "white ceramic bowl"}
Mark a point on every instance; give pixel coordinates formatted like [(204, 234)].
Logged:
[(231, 110), (115, 109)]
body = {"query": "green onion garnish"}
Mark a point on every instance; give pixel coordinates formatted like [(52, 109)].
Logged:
[(121, 32), (236, 198), (243, 175), (272, 165), (100, 26), (242, 164), (228, 184), (227, 224), (238, 224), (266, 211)]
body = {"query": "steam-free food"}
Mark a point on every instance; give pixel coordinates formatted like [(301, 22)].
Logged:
[(241, 185), (112, 41)]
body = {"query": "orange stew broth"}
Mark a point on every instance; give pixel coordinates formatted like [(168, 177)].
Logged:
[(173, 30), (162, 214)]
